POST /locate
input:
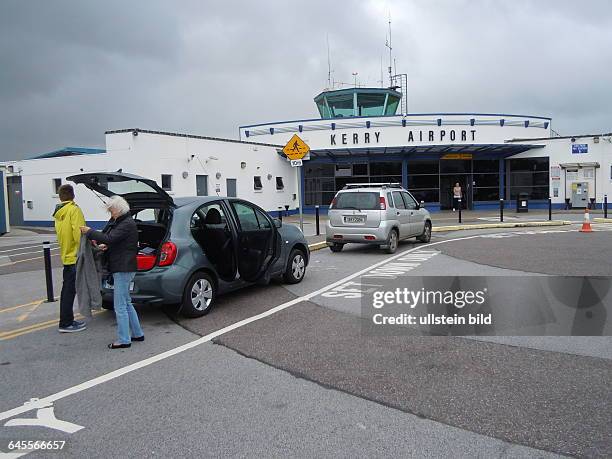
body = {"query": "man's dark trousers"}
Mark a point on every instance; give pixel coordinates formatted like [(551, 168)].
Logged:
[(67, 296)]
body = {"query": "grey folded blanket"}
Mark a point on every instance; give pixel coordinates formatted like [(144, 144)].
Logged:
[(89, 272)]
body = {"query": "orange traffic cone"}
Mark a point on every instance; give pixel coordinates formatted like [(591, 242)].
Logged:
[(586, 224)]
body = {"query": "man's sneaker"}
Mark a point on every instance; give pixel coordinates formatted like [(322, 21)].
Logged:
[(76, 326)]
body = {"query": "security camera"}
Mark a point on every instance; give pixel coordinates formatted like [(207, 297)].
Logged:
[(573, 139)]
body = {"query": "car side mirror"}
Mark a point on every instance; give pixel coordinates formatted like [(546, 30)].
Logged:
[(278, 223)]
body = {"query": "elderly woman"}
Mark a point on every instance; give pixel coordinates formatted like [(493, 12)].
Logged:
[(120, 241)]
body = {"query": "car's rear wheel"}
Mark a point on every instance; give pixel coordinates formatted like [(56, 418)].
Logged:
[(336, 247), (296, 267), (392, 242), (426, 235), (199, 295)]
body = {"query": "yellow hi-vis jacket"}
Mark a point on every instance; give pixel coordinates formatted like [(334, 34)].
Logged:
[(68, 221)]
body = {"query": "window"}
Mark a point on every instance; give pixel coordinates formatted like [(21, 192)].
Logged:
[(358, 201), (399, 202), (409, 200), (166, 182), (57, 182), (257, 183), (198, 219), (250, 219), (279, 183), (529, 175), (360, 169), (390, 200)]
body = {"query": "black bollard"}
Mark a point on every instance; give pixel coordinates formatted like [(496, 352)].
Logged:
[(459, 210), (48, 272), (549, 209), (605, 206), (280, 214), (501, 210), (317, 219)]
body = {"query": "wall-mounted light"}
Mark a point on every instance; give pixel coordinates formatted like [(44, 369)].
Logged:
[(185, 174), (573, 139), (135, 132), (218, 175), (269, 176), (242, 165), (595, 139)]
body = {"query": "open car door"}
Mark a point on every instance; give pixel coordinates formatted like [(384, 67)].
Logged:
[(139, 192), (258, 245)]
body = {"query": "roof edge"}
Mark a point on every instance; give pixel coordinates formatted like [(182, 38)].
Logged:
[(189, 136)]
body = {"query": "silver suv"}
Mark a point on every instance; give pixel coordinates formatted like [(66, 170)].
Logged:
[(375, 213)]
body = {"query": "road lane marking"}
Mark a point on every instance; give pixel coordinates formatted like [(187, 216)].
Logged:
[(29, 259), (50, 399), (10, 334), (204, 339), (23, 317), (12, 308), (30, 253), (26, 248)]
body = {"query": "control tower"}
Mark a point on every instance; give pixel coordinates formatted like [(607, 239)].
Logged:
[(345, 103)]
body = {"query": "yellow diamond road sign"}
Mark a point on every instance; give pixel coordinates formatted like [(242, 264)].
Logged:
[(296, 148)]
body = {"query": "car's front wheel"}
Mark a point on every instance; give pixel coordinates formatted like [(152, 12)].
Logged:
[(426, 235), (199, 295), (296, 267)]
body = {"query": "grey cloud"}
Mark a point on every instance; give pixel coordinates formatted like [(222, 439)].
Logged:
[(70, 70)]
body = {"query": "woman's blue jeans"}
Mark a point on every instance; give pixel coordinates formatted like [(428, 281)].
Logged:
[(127, 318)]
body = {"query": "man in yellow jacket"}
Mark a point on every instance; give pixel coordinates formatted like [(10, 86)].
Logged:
[(68, 221)]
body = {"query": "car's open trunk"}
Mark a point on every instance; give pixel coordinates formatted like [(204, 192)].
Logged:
[(152, 232)]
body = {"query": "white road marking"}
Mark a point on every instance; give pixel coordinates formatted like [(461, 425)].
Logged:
[(26, 248), (50, 399), (45, 417)]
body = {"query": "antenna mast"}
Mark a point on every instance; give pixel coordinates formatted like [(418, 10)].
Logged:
[(329, 85), (388, 45)]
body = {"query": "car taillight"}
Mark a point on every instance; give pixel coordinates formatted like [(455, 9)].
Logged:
[(333, 203), (145, 262), (167, 254), (383, 204)]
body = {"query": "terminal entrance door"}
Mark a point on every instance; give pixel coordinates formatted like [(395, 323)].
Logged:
[(455, 171)]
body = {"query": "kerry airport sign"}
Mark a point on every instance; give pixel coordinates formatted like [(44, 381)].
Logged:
[(412, 137)]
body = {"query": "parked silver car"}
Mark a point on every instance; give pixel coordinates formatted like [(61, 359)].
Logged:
[(375, 213)]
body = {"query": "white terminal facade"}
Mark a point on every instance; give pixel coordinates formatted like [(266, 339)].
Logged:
[(358, 138)]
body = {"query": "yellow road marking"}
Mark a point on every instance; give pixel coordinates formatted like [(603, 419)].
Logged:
[(36, 327), (23, 317), (12, 308)]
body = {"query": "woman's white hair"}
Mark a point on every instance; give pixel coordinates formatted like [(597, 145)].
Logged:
[(118, 204)]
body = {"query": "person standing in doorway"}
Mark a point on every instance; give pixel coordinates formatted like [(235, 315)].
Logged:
[(68, 221), (119, 240), (457, 194)]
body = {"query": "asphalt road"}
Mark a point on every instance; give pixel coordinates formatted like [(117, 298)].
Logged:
[(304, 380)]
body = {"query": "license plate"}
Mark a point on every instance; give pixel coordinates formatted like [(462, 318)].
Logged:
[(354, 219), (112, 286)]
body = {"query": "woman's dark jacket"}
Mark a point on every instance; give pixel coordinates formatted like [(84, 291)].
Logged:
[(121, 237)]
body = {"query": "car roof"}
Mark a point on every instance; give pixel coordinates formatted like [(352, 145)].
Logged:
[(184, 201)]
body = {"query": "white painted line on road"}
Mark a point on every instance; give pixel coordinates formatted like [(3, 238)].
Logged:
[(30, 253), (25, 248), (41, 403), (50, 399)]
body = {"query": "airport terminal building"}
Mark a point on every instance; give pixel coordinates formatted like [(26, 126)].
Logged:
[(358, 138)]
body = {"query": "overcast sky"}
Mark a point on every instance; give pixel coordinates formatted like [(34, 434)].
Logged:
[(70, 70)]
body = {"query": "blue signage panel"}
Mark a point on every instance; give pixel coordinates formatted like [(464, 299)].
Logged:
[(578, 148)]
